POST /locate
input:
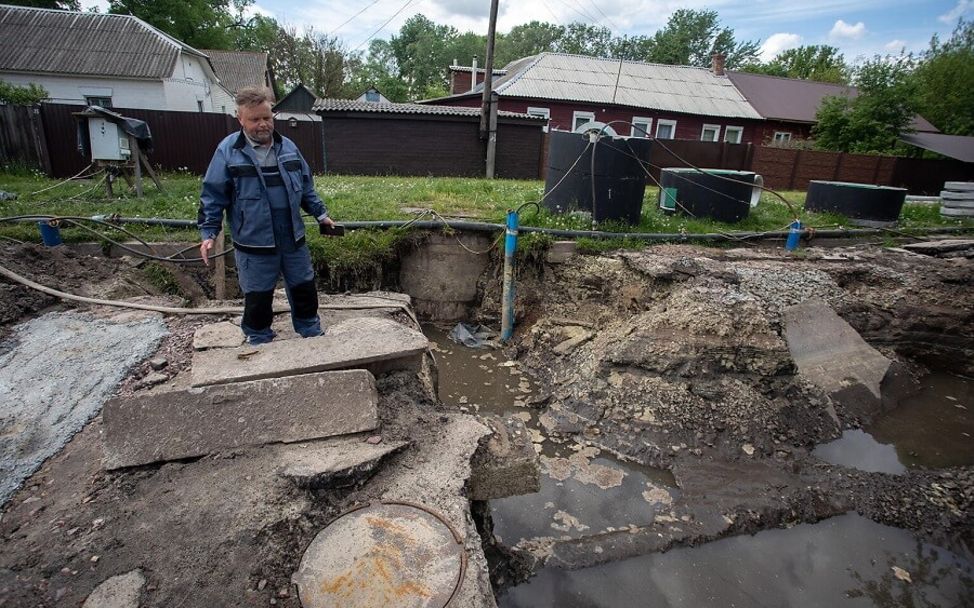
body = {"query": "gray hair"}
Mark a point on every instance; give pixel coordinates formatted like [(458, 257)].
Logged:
[(253, 96)]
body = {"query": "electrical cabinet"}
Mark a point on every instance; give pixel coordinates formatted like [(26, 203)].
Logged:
[(108, 142)]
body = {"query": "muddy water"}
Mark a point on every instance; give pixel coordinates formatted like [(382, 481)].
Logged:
[(933, 428), (583, 490), (844, 561)]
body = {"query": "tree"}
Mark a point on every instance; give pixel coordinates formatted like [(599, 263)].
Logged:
[(205, 24), (690, 37), (874, 119), (527, 39), (945, 82), (65, 5), (822, 63), (585, 39), (26, 95)]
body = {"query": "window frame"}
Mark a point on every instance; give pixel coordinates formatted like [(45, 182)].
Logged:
[(90, 98), (540, 112), (738, 130), (641, 119), (781, 137), (580, 114), (664, 122), (716, 137)]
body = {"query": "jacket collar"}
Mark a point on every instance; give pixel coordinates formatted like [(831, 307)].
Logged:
[(242, 139)]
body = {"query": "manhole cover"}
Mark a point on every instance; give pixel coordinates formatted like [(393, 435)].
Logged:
[(395, 555)]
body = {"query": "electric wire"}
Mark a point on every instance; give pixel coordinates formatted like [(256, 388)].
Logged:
[(352, 18), (75, 176), (381, 27)]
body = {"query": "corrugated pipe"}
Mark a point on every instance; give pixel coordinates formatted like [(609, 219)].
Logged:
[(595, 234)]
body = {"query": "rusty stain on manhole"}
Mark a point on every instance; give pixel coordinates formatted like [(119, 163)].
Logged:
[(390, 554)]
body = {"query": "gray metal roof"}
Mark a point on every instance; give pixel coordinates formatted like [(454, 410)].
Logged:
[(637, 84), (238, 69), (954, 146), (351, 105), (65, 42)]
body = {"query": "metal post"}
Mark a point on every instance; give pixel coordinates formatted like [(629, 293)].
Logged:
[(507, 305)]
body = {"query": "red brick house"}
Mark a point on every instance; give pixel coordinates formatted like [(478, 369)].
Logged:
[(663, 101)]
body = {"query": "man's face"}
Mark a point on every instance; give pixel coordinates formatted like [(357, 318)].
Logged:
[(257, 122)]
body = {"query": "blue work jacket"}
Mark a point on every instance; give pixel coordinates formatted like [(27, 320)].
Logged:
[(235, 184)]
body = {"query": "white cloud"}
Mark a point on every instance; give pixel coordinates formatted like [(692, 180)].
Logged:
[(963, 7), (777, 43), (895, 46), (846, 31), (99, 5), (255, 9)]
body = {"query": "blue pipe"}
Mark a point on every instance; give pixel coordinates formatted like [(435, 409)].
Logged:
[(794, 234), (507, 304)]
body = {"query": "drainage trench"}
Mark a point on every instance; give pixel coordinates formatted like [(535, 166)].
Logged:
[(587, 493)]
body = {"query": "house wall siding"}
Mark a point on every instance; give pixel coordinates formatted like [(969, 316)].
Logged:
[(189, 85), (72, 90), (688, 126)]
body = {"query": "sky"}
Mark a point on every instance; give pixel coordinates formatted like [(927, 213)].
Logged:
[(859, 28)]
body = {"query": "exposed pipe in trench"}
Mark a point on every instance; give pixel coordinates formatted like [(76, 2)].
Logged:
[(596, 234)]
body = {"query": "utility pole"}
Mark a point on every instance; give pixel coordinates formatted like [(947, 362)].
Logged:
[(488, 71)]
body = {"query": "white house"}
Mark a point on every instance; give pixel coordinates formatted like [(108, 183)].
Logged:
[(116, 61)]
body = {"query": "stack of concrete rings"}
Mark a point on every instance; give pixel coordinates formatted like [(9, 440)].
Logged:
[(957, 199)]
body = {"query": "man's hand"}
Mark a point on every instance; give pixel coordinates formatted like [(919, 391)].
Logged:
[(205, 247), (327, 222)]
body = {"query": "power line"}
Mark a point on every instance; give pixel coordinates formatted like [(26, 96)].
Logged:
[(350, 19), (598, 8), (381, 27)]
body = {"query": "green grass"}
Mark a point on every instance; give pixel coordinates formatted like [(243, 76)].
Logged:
[(386, 198)]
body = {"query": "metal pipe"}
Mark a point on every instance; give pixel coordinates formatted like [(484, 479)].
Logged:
[(594, 234), (507, 300)]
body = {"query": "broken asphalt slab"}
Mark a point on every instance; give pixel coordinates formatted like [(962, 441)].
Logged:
[(378, 344), (182, 424), (833, 356), (335, 463)]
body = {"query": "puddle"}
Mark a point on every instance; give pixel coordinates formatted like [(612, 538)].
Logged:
[(933, 428), (583, 490), (844, 561), (583, 495), (859, 450)]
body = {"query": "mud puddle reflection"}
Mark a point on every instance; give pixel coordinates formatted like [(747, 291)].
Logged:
[(583, 489), (933, 428), (844, 561)]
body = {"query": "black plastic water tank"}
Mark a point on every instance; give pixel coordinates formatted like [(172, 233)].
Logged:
[(863, 204), (620, 181), (719, 194)]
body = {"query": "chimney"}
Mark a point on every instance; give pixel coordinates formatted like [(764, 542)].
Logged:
[(473, 74), (717, 63)]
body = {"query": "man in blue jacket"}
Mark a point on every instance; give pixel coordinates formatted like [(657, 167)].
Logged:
[(261, 181)]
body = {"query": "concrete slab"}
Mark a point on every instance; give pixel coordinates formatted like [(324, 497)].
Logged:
[(833, 356), (506, 463), (122, 591), (940, 247), (149, 428), (335, 463), (378, 344)]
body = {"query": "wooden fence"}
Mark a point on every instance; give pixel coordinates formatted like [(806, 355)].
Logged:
[(22, 142)]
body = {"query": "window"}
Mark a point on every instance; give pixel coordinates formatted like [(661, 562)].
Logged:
[(781, 137), (104, 102), (581, 118), (710, 133), (733, 135), (372, 95), (665, 129), (641, 127), (543, 113), (199, 104)]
